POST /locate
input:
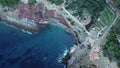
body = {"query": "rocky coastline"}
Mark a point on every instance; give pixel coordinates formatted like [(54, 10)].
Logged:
[(31, 30), (68, 55), (34, 29), (34, 26)]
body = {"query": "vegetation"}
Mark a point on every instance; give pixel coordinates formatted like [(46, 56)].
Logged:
[(117, 2), (105, 18), (112, 47), (57, 2), (117, 27), (71, 21), (93, 6), (32, 2), (9, 3)]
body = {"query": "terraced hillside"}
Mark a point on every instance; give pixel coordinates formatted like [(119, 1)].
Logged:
[(117, 28), (105, 18)]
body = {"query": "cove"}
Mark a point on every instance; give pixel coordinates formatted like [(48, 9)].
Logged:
[(40, 50)]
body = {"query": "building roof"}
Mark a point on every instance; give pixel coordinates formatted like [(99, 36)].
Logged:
[(51, 13), (91, 41), (97, 49), (94, 55)]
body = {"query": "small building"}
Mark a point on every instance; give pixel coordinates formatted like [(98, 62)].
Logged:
[(97, 49), (51, 13), (91, 41), (94, 55)]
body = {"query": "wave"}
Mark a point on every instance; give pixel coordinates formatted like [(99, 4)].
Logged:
[(62, 55)]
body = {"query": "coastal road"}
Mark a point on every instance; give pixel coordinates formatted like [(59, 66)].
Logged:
[(98, 41), (75, 20), (103, 37), (79, 24), (110, 2)]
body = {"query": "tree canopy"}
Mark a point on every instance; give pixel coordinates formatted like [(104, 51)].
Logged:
[(111, 49), (117, 2), (9, 3), (57, 2), (93, 6), (32, 2)]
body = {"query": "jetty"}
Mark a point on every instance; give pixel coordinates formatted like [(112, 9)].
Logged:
[(19, 23)]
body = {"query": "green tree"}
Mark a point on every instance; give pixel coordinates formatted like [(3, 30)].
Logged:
[(9, 3), (57, 2), (117, 2), (32, 2)]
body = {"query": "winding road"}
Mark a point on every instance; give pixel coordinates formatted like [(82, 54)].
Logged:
[(79, 24), (98, 41)]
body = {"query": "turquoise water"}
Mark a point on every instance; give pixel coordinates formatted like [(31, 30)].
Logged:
[(41, 50)]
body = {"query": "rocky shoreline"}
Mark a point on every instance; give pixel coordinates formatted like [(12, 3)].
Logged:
[(67, 57), (32, 30)]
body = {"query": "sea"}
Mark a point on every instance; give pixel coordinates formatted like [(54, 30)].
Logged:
[(43, 49)]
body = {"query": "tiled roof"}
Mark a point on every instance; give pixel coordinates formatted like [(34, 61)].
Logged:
[(95, 55), (51, 13)]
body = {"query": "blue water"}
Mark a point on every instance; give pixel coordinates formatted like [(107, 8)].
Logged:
[(41, 50)]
